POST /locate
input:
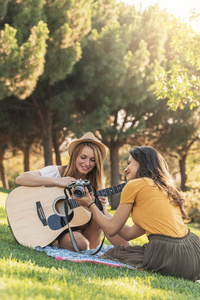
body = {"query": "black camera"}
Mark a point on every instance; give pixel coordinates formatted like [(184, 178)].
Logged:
[(79, 187)]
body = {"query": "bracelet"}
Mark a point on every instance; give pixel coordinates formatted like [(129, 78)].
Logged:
[(91, 204)]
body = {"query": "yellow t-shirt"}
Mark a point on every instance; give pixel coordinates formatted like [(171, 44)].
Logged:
[(152, 209)]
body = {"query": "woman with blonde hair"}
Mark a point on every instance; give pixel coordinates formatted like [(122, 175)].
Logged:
[(86, 162)]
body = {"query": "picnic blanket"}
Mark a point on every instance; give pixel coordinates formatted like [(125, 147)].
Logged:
[(63, 254)]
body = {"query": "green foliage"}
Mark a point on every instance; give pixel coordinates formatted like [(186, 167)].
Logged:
[(26, 14), (18, 121), (3, 193), (113, 83), (155, 30), (178, 85), (179, 82), (3, 8), (177, 130), (116, 52), (104, 13), (173, 133), (117, 63), (21, 66), (40, 44), (193, 167), (68, 23), (192, 205)]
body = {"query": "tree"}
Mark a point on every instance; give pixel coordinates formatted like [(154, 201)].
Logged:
[(173, 133), (40, 45), (112, 82), (180, 81), (183, 132), (3, 148), (18, 126)]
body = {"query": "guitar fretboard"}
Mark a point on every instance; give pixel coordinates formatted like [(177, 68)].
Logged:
[(111, 190), (102, 193)]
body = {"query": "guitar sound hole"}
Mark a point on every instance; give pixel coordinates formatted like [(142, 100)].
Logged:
[(58, 206)]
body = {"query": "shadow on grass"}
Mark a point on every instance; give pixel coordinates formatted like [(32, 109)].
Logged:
[(3, 190)]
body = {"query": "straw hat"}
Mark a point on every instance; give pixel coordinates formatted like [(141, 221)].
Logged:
[(88, 137)]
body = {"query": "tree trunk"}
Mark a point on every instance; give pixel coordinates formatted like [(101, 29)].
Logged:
[(26, 153), (3, 176), (56, 150), (115, 176), (182, 164), (47, 138), (45, 117)]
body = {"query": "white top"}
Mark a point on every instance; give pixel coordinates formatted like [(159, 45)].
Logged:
[(50, 171)]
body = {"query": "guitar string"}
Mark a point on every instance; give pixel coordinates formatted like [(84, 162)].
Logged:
[(105, 192)]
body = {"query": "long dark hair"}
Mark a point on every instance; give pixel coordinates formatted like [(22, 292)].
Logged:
[(153, 165)]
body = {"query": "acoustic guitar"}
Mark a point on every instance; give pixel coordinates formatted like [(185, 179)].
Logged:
[(37, 217)]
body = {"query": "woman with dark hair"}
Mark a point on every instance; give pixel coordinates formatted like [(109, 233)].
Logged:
[(157, 209)]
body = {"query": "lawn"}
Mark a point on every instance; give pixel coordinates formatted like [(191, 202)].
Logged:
[(28, 274)]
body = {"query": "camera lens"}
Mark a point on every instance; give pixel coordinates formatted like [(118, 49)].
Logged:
[(79, 191)]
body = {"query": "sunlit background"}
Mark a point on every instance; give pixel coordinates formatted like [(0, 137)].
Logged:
[(178, 8)]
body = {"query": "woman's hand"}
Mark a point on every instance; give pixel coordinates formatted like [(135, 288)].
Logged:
[(104, 203), (64, 181), (86, 200), (89, 198)]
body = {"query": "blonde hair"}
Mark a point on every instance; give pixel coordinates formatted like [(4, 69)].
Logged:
[(95, 176)]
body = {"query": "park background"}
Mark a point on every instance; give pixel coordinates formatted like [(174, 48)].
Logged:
[(127, 71)]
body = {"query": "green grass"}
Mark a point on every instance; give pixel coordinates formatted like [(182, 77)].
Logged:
[(28, 274)]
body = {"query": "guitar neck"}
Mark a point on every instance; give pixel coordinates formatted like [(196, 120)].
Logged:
[(102, 193), (111, 190)]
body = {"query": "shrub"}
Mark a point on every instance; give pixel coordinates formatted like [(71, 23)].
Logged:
[(192, 205)]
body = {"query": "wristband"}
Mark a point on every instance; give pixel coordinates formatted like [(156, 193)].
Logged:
[(90, 204)]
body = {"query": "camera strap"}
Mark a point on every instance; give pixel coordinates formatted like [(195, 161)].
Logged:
[(66, 206), (100, 207)]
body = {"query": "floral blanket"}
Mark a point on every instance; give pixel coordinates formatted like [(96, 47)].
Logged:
[(85, 256)]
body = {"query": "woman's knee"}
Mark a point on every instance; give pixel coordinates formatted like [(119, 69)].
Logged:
[(81, 241)]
